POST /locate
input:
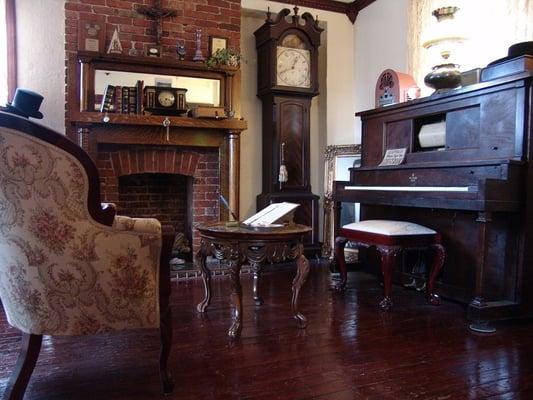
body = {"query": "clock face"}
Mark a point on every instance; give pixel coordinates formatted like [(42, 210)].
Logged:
[(293, 67), (166, 98)]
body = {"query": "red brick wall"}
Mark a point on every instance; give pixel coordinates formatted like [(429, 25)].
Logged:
[(202, 164), (155, 195), (213, 17)]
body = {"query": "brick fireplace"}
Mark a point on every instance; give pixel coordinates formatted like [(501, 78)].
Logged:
[(179, 186), (174, 174)]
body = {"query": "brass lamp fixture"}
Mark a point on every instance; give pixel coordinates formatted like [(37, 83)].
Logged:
[(444, 38)]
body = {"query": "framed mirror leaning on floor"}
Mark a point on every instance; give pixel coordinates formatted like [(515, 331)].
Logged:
[(338, 160)]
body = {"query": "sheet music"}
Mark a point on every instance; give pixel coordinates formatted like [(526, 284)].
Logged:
[(269, 215), (393, 157)]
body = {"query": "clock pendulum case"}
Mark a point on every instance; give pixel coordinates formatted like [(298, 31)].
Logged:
[(287, 58)]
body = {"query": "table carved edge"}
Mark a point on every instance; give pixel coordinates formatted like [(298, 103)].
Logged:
[(236, 252)]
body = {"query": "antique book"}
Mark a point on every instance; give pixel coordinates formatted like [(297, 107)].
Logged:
[(107, 99), (208, 112)]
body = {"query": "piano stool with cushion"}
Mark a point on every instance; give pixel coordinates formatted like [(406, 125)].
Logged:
[(390, 238)]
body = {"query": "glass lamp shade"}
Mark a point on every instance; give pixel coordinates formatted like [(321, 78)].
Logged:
[(444, 38)]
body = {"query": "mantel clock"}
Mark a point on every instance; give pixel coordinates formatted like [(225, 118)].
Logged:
[(287, 51)]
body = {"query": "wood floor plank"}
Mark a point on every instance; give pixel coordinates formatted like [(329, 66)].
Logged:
[(350, 350)]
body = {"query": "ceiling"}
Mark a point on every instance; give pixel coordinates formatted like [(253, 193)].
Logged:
[(349, 7)]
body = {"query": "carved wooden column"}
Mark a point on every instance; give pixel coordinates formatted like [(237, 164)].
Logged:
[(234, 149), (87, 142), (229, 92), (86, 82)]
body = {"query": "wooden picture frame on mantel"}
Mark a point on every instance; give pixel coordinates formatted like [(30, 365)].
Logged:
[(338, 158), (217, 43), (91, 36)]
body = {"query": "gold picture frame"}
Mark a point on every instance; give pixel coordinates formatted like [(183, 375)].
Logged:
[(217, 43), (337, 159)]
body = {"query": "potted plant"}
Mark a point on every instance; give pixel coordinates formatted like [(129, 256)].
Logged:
[(228, 56)]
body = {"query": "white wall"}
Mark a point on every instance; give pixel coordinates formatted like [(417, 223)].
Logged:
[(380, 43), (251, 145), (41, 55)]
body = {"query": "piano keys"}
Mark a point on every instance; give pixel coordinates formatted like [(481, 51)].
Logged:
[(476, 189)]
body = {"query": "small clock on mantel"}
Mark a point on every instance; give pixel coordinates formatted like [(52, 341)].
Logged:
[(287, 59)]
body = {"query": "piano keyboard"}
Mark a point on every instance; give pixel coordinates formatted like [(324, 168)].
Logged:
[(414, 188)]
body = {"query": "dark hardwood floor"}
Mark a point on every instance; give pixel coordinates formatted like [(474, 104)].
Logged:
[(349, 351)]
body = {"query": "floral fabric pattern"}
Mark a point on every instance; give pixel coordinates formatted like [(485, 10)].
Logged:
[(50, 232), (61, 272)]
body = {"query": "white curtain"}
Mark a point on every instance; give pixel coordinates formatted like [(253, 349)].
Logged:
[(491, 26)]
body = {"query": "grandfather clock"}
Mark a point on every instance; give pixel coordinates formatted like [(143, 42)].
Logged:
[(287, 50)]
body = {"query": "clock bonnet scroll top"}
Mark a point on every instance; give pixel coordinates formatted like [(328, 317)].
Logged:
[(287, 46)]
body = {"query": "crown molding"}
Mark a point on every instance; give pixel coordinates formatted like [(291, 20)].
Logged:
[(351, 10)]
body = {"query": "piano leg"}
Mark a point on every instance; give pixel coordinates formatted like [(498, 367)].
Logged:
[(388, 255), (438, 261), (340, 243)]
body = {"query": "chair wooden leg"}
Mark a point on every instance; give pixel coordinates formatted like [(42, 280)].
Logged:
[(438, 261), (340, 243), (167, 382), (165, 316), (388, 256), (29, 352)]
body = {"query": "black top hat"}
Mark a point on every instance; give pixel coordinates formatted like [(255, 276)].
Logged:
[(516, 50), (26, 103)]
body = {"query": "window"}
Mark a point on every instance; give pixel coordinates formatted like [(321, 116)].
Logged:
[(491, 26), (3, 53), (8, 71)]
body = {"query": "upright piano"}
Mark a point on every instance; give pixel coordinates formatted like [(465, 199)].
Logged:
[(473, 184)]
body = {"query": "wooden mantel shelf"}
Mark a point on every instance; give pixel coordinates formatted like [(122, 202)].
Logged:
[(93, 133), (153, 62), (90, 118)]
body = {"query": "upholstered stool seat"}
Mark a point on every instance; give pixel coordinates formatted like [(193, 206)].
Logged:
[(391, 238)]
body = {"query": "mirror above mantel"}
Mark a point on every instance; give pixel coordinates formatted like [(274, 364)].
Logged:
[(205, 86), (203, 91)]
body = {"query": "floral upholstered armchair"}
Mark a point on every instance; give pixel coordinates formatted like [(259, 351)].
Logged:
[(68, 265)]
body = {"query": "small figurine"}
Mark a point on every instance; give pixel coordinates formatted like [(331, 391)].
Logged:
[(115, 47), (133, 51), (181, 51), (198, 56)]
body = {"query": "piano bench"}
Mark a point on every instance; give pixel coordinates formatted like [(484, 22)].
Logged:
[(390, 238)]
